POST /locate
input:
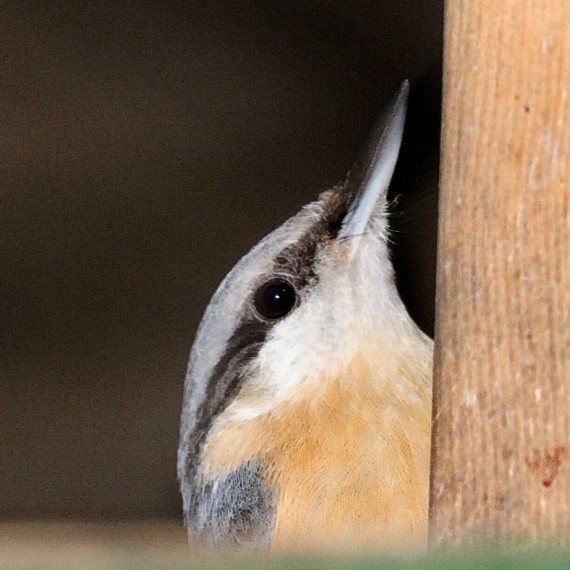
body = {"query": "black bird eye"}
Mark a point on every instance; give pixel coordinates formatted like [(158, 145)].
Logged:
[(275, 298)]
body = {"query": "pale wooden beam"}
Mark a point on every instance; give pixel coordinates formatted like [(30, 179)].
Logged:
[(501, 460)]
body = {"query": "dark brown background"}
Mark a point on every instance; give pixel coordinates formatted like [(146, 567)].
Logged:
[(144, 147)]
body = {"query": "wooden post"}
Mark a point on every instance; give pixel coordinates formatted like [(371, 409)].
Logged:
[(501, 460)]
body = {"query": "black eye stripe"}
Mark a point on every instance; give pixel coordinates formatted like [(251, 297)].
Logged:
[(226, 380)]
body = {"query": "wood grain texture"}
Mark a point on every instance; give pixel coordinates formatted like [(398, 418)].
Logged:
[(501, 443)]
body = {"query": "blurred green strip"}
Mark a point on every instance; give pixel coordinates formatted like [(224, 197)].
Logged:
[(479, 561)]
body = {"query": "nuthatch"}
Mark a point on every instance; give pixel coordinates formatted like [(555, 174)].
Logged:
[(307, 405)]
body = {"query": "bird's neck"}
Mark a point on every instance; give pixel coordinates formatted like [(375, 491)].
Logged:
[(349, 462)]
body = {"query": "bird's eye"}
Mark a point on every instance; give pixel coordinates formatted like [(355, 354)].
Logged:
[(275, 298)]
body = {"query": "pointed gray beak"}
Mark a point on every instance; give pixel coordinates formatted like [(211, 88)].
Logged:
[(370, 178)]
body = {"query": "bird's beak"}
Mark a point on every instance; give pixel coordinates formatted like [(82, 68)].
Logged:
[(368, 182)]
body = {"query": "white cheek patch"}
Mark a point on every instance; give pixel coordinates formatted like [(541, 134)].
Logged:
[(293, 355), (351, 307)]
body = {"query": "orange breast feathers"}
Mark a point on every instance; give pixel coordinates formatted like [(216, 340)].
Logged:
[(348, 462)]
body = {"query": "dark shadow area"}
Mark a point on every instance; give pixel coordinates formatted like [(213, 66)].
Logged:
[(145, 148)]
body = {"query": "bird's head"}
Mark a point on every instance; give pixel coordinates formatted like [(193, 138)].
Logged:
[(300, 306)]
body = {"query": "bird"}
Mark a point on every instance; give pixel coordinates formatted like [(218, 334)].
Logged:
[(306, 413)]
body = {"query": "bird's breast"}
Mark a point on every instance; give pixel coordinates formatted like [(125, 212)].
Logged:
[(348, 464)]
